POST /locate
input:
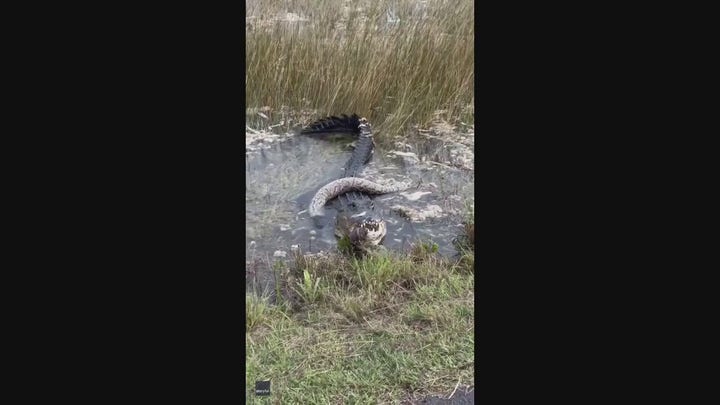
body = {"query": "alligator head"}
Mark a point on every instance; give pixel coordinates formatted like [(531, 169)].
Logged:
[(369, 231)]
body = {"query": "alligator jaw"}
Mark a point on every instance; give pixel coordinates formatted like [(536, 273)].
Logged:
[(373, 231)]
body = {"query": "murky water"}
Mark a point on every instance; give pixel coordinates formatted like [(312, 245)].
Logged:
[(283, 176)]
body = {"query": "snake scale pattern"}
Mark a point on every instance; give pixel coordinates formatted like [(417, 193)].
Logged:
[(341, 186)]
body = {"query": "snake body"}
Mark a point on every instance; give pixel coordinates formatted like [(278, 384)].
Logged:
[(344, 185)]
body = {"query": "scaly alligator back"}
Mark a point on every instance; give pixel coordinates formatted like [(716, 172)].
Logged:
[(363, 150)]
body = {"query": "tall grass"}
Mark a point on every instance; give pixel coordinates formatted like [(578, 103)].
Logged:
[(348, 58)]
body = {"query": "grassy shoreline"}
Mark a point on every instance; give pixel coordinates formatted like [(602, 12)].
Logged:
[(379, 329)]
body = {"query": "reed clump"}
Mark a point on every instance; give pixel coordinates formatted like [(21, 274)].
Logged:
[(396, 62)]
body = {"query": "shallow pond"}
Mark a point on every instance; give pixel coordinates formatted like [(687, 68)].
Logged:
[(284, 172)]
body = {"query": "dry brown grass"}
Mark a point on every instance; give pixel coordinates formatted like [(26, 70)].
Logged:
[(346, 57)]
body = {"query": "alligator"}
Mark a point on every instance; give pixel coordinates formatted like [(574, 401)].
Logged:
[(357, 220)]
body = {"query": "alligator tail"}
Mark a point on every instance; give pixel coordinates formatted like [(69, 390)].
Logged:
[(361, 156), (343, 123)]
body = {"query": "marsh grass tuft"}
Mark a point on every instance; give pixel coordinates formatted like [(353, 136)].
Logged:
[(255, 310), (311, 58), (423, 250), (309, 288)]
